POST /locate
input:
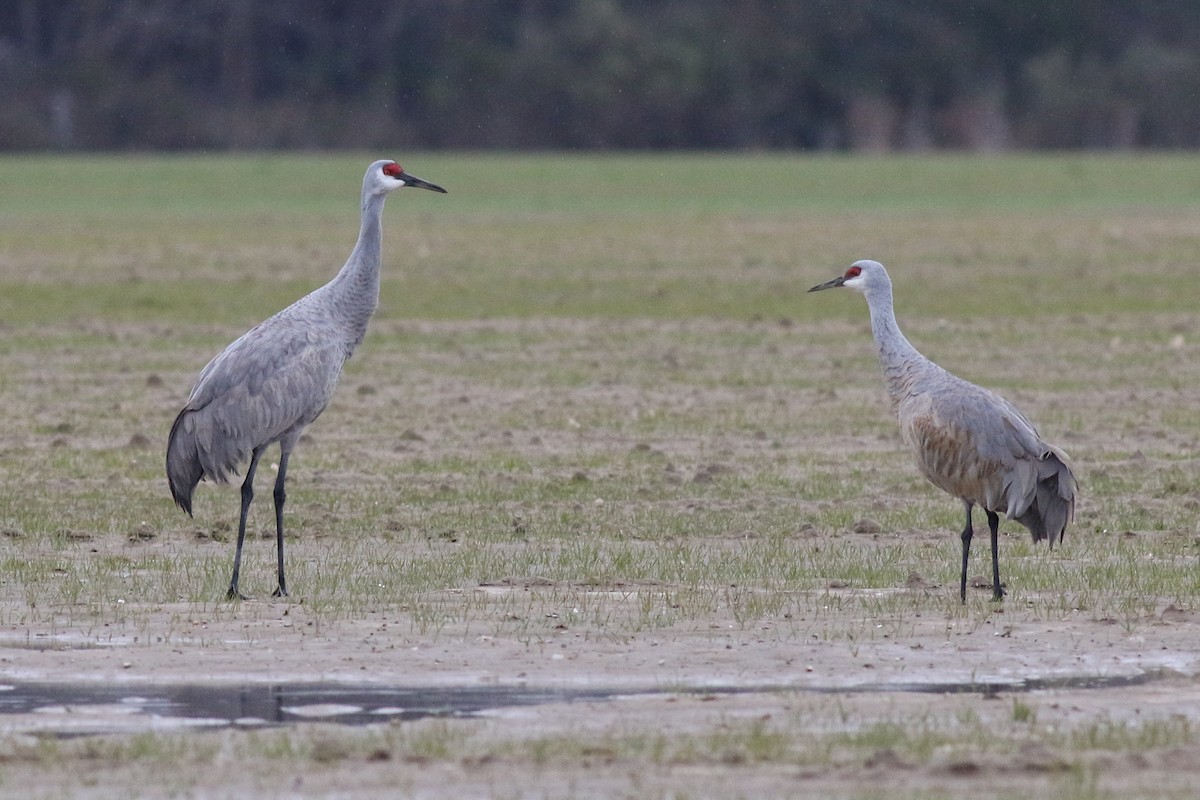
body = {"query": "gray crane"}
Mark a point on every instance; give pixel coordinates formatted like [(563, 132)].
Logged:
[(274, 380), (968, 441)]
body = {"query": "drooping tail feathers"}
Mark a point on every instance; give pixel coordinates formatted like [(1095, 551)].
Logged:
[(183, 467), (194, 453), (1053, 506)]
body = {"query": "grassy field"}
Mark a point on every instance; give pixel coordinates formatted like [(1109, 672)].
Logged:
[(605, 371)]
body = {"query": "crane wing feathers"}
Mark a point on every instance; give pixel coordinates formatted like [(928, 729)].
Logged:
[(254, 392), (976, 445), (989, 427)]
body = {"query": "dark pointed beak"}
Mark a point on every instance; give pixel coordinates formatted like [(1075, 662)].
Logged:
[(414, 181), (838, 281)]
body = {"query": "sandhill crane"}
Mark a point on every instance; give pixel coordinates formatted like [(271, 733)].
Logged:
[(274, 380), (969, 441)]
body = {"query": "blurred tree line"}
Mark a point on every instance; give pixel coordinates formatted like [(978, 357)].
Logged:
[(816, 74)]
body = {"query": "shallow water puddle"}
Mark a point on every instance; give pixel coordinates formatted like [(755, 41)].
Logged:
[(78, 709), (87, 708)]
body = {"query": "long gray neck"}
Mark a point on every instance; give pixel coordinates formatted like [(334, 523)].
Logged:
[(355, 289), (901, 362)]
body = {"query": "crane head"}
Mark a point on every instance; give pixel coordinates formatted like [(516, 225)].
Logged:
[(390, 176), (856, 277)]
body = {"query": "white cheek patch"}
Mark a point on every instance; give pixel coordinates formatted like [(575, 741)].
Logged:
[(855, 283)]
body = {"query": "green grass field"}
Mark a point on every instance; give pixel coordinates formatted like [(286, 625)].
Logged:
[(665, 237), (605, 371)]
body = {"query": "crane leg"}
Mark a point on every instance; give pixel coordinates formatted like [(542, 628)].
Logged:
[(994, 527), (247, 496), (280, 497), (967, 533)]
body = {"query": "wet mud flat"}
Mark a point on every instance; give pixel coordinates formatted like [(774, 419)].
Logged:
[(73, 709)]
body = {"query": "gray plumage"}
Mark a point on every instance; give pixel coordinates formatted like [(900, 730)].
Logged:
[(273, 381), (969, 441)]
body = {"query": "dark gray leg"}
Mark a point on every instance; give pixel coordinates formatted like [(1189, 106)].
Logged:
[(247, 496), (994, 527), (280, 497), (967, 533)]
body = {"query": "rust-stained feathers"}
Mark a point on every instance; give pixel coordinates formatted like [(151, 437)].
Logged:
[(967, 440)]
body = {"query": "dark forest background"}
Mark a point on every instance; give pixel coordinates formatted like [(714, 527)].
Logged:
[(863, 75)]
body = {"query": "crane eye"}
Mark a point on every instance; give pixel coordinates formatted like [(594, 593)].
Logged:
[(394, 170), (853, 272)]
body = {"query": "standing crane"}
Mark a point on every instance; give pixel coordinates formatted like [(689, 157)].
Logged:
[(274, 380), (968, 441)]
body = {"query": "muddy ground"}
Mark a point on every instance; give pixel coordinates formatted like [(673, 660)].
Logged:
[(799, 687), (808, 678)]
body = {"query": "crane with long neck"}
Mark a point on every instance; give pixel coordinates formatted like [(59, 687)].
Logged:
[(274, 380), (968, 441)]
